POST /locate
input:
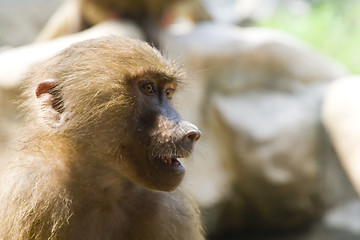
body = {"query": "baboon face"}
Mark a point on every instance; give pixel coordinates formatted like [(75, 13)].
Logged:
[(162, 133), (120, 112)]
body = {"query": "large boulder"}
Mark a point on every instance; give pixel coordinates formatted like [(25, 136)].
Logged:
[(257, 99), (22, 20), (341, 115)]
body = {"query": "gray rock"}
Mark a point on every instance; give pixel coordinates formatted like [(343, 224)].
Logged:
[(22, 20), (345, 217), (341, 115)]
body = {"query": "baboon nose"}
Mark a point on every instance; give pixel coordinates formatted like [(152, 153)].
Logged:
[(193, 135)]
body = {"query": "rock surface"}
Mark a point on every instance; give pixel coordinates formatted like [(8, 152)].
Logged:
[(22, 20), (341, 114)]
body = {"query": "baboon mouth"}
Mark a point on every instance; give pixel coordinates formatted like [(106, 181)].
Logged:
[(172, 162)]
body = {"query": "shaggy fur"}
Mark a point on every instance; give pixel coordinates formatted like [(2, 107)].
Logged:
[(76, 175)]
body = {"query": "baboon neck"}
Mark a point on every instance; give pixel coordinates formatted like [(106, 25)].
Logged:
[(105, 180)]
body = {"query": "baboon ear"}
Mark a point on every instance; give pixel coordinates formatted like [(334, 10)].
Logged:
[(46, 86), (50, 95)]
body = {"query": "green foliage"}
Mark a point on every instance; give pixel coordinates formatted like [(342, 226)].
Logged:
[(333, 27)]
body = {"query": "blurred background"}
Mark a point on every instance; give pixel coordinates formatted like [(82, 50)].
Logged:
[(273, 161)]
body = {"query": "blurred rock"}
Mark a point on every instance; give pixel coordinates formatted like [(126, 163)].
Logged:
[(244, 11), (341, 115), (257, 98), (22, 20), (345, 217)]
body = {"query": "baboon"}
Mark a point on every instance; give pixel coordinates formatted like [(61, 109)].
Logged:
[(98, 157), (76, 15)]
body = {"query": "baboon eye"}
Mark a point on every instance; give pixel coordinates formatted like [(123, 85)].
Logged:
[(148, 88), (169, 92)]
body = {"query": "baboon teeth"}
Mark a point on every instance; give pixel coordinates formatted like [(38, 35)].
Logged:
[(170, 161), (167, 160)]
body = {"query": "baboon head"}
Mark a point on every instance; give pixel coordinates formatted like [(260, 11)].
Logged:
[(111, 99)]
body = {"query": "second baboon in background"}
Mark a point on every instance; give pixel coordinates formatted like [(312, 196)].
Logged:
[(76, 15)]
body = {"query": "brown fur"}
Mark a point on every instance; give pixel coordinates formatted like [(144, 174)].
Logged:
[(82, 170)]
